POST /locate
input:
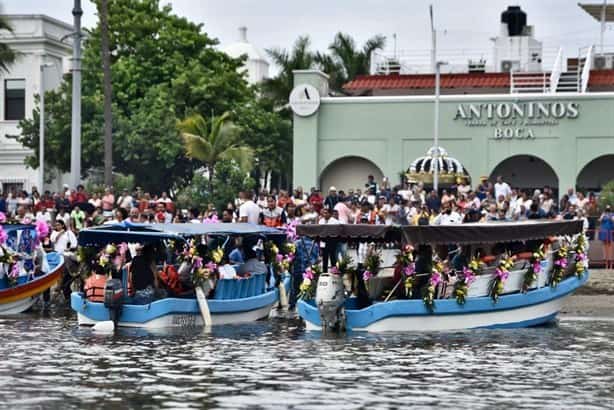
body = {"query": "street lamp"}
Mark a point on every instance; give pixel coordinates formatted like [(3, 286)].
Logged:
[(438, 65), (41, 140)]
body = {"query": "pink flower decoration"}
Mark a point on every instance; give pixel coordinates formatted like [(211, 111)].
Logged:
[(367, 275), (3, 235), (123, 248), (290, 257), (435, 278), (14, 273), (290, 229), (2, 218), (334, 270), (561, 263), (198, 262), (469, 276), (279, 258), (501, 274), (308, 274), (211, 266), (409, 269), (27, 220), (537, 267), (42, 229)]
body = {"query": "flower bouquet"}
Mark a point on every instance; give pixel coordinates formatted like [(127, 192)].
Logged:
[(437, 273), (307, 290), (581, 259), (467, 277), (407, 268), (560, 264), (501, 274), (535, 267)]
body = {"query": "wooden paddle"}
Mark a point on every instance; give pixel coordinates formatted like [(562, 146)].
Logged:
[(201, 298)]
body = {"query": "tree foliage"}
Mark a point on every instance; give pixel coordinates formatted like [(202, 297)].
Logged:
[(164, 68), (214, 141), (606, 196), (7, 54)]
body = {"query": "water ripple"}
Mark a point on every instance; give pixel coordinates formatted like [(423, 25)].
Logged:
[(49, 362)]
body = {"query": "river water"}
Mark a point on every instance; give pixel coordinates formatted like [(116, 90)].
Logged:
[(48, 362)]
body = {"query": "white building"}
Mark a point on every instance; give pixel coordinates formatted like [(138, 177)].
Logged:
[(257, 65), (37, 39)]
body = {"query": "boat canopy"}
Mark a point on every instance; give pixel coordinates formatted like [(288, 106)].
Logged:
[(147, 233), (17, 227), (462, 234)]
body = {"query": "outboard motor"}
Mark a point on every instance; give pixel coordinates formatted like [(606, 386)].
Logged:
[(113, 298), (330, 300)]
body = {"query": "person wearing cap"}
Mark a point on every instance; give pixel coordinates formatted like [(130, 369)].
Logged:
[(332, 198)]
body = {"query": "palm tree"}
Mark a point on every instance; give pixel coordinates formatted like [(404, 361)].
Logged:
[(7, 55), (351, 60), (214, 141), (299, 58)]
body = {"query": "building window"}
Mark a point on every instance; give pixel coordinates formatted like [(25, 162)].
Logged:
[(14, 100)]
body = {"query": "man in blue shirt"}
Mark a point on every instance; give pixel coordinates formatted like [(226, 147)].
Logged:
[(306, 255)]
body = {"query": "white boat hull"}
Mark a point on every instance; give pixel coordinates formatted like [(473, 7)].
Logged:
[(188, 320), (19, 306), (511, 318)]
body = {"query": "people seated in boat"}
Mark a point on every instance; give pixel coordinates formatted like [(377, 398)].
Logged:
[(252, 264), (142, 276), (94, 284)]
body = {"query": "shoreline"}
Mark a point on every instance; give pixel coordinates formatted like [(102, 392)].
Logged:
[(594, 300)]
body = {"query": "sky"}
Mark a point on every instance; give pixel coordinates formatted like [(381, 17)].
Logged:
[(277, 23)]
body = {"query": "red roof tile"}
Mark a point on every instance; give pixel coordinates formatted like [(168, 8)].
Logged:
[(463, 80)]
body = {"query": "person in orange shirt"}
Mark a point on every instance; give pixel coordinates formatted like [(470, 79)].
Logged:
[(272, 216)]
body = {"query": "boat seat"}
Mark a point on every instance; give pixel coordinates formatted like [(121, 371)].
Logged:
[(240, 287)]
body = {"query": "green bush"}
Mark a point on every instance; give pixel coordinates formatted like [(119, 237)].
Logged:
[(606, 197), (228, 180)]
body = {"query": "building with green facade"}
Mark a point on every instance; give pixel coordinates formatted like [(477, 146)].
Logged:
[(533, 126)]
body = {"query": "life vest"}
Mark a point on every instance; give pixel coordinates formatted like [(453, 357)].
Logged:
[(170, 278), (94, 287)]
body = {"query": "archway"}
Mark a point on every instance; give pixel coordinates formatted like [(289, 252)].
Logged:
[(349, 173), (526, 172), (596, 173)]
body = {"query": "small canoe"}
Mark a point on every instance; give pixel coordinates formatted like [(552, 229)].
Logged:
[(21, 297)]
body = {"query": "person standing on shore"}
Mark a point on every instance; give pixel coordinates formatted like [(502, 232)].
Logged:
[(606, 228)]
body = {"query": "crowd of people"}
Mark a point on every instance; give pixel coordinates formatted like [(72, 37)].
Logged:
[(377, 203)]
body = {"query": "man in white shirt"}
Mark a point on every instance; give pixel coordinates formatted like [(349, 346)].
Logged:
[(63, 240), (249, 212), (125, 201), (447, 216), (390, 211), (502, 188)]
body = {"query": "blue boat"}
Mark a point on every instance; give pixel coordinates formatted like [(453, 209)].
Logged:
[(233, 301), (520, 301), (19, 296)]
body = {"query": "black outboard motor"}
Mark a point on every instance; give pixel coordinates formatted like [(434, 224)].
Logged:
[(113, 298)]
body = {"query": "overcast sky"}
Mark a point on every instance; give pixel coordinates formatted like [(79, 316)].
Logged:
[(277, 23)]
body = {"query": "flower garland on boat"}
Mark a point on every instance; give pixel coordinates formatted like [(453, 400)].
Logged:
[(193, 264), (501, 274), (373, 263), (406, 266), (466, 278), (581, 257), (9, 259), (307, 290), (560, 264), (438, 271), (281, 261), (534, 268)]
